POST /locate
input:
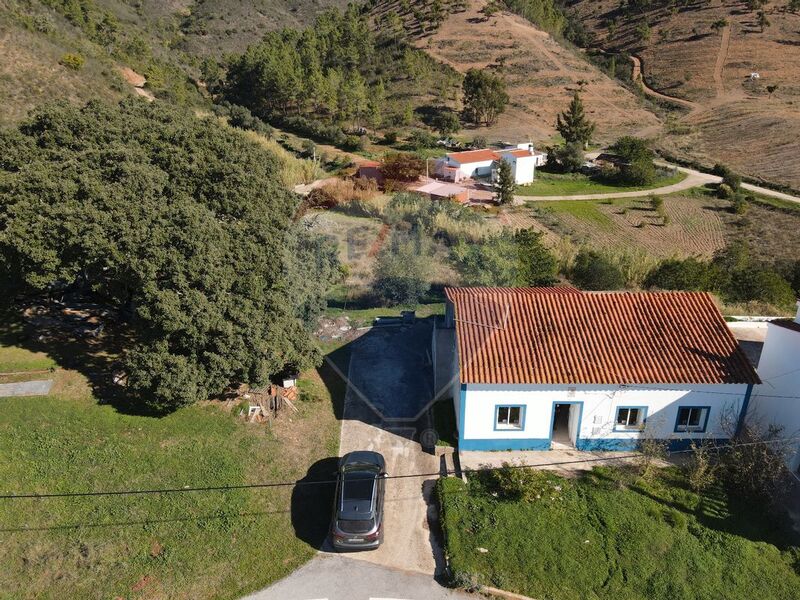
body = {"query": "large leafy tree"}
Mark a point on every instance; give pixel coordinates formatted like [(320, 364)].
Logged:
[(485, 96), (573, 124), (178, 222)]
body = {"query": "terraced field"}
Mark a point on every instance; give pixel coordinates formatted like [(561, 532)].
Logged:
[(694, 227)]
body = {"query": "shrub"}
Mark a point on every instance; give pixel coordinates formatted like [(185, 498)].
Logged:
[(689, 274), (725, 191), (759, 283), (390, 138), (701, 468), (403, 270), (402, 166), (72, 61), (595, 271), (420, 139), (739, 205), (241, 117), (729, 177)]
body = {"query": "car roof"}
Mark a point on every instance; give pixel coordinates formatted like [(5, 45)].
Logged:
[(363, 458)]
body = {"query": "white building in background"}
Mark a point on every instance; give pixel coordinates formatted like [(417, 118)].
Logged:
[(524, 160), (777, 400), (538, 368)]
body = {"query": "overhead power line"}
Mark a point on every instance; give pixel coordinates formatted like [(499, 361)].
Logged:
[(300, 483)]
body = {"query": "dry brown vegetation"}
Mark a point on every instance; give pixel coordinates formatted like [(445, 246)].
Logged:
[(541, 76), (735, 120)]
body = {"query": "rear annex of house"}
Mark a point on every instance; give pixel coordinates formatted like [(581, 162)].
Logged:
[(542, 368)]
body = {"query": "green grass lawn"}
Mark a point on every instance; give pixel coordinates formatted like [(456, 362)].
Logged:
[(608, 535), (15, 360), (569, 184), (181, 545)]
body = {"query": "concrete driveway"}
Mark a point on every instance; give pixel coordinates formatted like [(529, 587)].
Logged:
[(390, 383), (334, 577)]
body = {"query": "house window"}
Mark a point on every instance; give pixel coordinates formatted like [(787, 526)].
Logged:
[(509, 417), (692, 419), (630, 418)]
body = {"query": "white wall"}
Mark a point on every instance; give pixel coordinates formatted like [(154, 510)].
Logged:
[(475, 168), (779, 369), (599, 409), (525, 169)]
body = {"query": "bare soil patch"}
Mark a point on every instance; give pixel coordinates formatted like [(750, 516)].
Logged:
[(541, 76)]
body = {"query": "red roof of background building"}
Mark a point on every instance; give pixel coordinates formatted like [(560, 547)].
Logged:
[(519, 153), (368, 163), (564, 336), (473, 156)]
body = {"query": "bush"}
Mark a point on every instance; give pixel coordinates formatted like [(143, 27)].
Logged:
[(739, 205), (403, 270), (390, 138), (420, 140), (595, 271), (759, 283), (72, 61), (725, 192), (239, 116), (729, 177), (689, 274), (402, 166), (522, 484)]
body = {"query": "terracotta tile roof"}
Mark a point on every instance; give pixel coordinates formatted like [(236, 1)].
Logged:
[(563, 336), (369, 163), (519, 153), (473, 156)]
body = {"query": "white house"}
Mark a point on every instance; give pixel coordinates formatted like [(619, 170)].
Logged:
[(458, 166), (777, 400), (537, 368), (524, 160)]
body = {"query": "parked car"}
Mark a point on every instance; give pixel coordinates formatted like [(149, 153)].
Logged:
[(358, 511)]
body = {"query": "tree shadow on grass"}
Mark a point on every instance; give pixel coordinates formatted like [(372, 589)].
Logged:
[(718, 509), (312, 502), (74, 342)]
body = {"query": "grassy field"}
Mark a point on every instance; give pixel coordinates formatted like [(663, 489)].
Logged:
[(611, 535), (181, 545), (16, 360), (574, 184)]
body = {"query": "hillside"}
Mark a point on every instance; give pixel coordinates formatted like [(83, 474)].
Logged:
[(160, 40), (216, 27), (541, 75), (704, 52)]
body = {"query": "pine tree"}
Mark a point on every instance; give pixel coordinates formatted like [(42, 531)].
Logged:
[(573, 125), (506, 186)]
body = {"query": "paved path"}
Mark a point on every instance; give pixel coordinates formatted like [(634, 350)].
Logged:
[(336, 577), (26, 388), (386, 394), (693, 179)]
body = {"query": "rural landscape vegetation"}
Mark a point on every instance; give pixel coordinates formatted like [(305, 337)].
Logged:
[(181, 225)]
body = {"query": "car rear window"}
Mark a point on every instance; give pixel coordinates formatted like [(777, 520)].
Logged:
[(358, 486), (360, 526)]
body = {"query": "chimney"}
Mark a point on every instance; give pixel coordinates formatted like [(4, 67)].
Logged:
[(797, 316)]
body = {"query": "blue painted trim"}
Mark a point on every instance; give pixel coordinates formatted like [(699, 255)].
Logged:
[(504, 444), (705, 423), (743, 413), (522, 411), (608, 444), (686, 443), (462, 400), (580, 419), (625, 429)]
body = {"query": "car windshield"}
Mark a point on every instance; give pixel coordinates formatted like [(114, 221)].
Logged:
[(358, 486)]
